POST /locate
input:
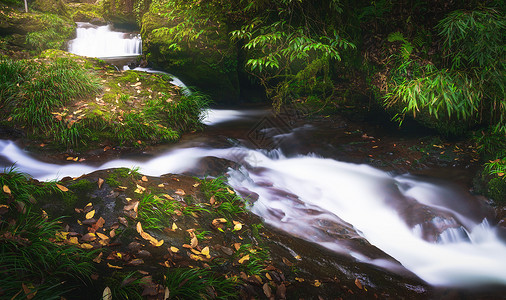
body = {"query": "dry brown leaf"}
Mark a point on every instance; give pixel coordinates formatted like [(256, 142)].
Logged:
[(212, 200), (89, 237), (90, 215), (6, 189), (123, 221), (358, 283), (194, 242), (100, 223), (62, 188), (180, 192), (287, 262), (112, 233), (28, 292), (100, 182), (136, 262), (267, 290), (237, 246), (98, 259)]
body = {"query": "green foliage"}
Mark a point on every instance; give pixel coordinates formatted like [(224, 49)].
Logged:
[(54, 35), (227, 201), (34, 89), (258, 257), (469, 86), (125, 286), (154, 212), (199, 284), (287, 48), (29, 253)]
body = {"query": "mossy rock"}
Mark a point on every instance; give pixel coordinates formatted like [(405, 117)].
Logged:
[(208, 62), (87, 12), (121, 12), (51, 6)]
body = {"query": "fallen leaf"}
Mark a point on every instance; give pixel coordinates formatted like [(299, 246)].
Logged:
[(112, 233), (168, 197), (237, 246), (100, 182), (6, 189), (174, 226), (244, 258), (212, 200), (156, 243), (90, 215), (268, 276), (180, 192), (86, 246), (299, 279), (317, 283), (205, 252), (237, 226), (230, 191), (194, 242), (161, 185), (136, 262), (62, 188), (196, 184), (144, 178), (100, 222), (140, 189), (98, 259), (286, 261), (107, 294), (174, 249), (166, 294), (281, 291), (123, 221), (89, 237), (70, 157), (113, 266), (73, 240), (28, 292), (139, 227), (267, 290), (358, 283), (102, 236)]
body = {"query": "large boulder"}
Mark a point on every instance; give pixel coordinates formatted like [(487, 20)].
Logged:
[(207, 60)]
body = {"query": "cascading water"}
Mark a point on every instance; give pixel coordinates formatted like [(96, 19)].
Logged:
[(431, 228), (101, 41)]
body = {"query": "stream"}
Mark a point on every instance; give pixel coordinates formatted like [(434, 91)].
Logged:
[(295, 181)]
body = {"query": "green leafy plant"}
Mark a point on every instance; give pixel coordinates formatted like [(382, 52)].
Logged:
[(154, 212), (228, 203), (199, 284)]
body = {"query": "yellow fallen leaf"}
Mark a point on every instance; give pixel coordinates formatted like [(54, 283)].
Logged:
[(113, 266), (237, 226), (73, 240), (139, 227), (230, 191), (70, 157), (102, 236), (62, 188), (180, 192), (88, 205), (61, 235), (156, 243), (161, 185), (195, 257), (205, 252), (168, 197), (90, 215), (195, 251), (268, 276), (174, 226), (244, 258), (299, 279), (86, 246), (6, 189), (128, 199), (144, 178), (317, 283), (174, 249), (237, 246), (196, 184)]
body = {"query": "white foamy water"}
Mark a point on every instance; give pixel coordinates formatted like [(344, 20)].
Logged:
[(428, 227), (101, 41)]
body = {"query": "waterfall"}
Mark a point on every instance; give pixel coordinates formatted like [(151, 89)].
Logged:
[(101, 41)]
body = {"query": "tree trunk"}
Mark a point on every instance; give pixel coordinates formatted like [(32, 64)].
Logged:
[(26, 5)]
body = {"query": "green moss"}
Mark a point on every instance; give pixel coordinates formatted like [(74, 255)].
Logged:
[(82, 186)]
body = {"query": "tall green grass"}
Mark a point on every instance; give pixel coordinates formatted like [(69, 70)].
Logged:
[(30, 257), (199, 284)]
